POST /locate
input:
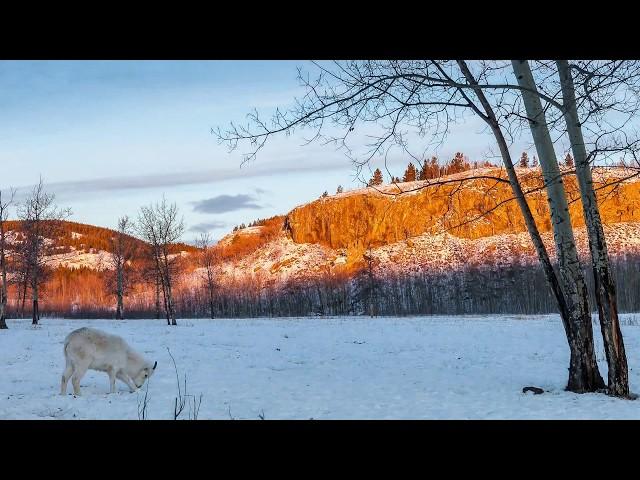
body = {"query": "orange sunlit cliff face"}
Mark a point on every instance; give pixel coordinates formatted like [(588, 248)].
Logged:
[(432, 227), (458, 204)]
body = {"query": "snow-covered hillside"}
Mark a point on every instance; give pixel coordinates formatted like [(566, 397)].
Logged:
[(282, 259), (321, 368), (411, 230)]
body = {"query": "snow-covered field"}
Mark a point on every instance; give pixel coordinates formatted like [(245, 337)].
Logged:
[(323, 368)]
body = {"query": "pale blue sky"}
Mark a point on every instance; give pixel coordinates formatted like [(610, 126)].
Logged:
[(110, 136)]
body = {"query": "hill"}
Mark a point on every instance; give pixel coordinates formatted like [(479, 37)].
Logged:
[(448, 222)]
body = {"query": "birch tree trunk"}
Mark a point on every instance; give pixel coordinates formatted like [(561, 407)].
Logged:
[(605, 288), (584, 375)]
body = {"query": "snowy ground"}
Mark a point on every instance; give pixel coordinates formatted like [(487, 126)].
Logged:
[(321, 368)]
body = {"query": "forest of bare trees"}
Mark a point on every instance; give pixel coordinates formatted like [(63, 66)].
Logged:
[(471, 291), (30, 245)]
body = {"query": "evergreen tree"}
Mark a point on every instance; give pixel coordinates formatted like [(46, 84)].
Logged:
[(424, 171), (430, 169), (524, 160), (458, 164), (376, 179), (534, 163), (568, 161), (325, 194), (409, 173), (339, 189)]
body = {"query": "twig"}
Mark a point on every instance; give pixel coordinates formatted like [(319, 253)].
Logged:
[(142, 408)]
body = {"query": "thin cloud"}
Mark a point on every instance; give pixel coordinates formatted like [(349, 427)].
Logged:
[(174, 179), (226, 203)]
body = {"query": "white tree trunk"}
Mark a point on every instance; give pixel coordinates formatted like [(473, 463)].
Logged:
[(584, 373), (605, 290)]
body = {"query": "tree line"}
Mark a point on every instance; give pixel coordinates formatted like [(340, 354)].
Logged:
[(430, 169), (26, 261), (470, 291)]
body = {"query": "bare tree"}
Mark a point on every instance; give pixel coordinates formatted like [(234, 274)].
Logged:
[(583, 359), (605, 288), (609, 99), (160, 226), (4, 215), (40, 222), (121, 257), (206, 260)]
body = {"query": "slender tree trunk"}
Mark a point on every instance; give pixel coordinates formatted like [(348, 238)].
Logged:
[(119, 308), (24, 293), (3, 287), (605, 288), (170, 307), (211, 300), (36, 312), (157, 295), (584, 375), (119, 290)]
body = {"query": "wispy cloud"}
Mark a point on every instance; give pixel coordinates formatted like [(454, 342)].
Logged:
[(205, 227), (174, 179), (226, 203)]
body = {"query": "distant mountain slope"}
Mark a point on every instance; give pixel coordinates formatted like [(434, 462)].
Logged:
[(80, 245), (425, 226)]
